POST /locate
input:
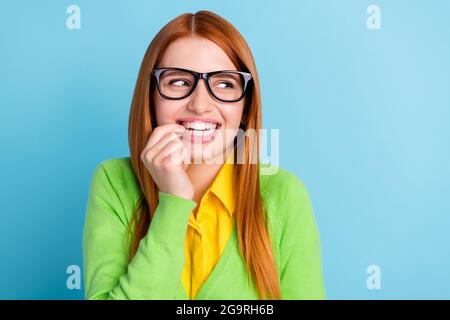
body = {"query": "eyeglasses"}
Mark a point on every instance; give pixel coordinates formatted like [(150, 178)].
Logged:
[(224, 85)]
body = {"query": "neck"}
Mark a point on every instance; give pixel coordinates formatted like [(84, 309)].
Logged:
[(202, 175)]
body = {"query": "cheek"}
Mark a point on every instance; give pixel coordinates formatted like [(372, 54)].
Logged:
[(233, 116), (164, 110), (162, 114)]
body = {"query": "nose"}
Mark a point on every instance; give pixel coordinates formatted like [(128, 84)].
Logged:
[(201, 98)]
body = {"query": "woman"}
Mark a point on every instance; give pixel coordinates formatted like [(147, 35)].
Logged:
[(173, 222)]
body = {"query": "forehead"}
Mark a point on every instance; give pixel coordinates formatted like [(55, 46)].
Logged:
[(196, 53)]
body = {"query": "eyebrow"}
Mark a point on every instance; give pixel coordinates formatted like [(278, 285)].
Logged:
[(227, 73), (175, 72)]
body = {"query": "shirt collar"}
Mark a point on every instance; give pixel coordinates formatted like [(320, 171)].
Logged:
[(223, 186)]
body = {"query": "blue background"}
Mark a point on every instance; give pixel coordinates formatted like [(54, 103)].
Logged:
[(363, 118)]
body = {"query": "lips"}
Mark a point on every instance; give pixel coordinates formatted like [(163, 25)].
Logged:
[(200, 130)]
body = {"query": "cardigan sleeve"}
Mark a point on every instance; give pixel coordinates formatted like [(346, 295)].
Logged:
[(301, 275), (155, 270)]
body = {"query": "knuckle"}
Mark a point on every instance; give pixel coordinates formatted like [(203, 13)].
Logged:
[(144, 155)]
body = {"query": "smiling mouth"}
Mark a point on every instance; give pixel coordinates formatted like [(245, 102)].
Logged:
[(200, 128)]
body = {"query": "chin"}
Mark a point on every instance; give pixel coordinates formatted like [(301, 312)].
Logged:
[(206, 156)]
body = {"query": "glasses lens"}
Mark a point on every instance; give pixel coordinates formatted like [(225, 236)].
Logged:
[(227, 85), (176, 83)]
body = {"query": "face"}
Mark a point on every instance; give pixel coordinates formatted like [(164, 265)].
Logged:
[(201, 55)]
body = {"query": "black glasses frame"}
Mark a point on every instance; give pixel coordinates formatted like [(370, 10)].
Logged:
[(156, 72)]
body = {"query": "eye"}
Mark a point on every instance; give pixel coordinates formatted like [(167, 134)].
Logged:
[(179, 82), (225, 84)]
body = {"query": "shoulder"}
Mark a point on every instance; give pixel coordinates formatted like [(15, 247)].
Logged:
[(286, 198), (277, 183), (117, 168), (118, 172), (114, 181)]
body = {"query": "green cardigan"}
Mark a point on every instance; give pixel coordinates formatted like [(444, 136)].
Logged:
[(155, 270)]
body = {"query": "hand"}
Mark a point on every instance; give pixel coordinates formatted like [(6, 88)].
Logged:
[(163, 157)]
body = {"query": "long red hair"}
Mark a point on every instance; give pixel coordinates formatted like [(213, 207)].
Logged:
[(254, 240)]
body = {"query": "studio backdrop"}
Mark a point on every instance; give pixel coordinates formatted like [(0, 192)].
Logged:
[(358, 92)]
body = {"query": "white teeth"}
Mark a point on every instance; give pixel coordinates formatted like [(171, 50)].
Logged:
[(198, 125), (198, 128)]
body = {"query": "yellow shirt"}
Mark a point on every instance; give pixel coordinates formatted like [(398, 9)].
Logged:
[(208, 233)]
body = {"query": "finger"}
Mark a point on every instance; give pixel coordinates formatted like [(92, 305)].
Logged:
[(155, 150), (149, 150), (167, 150), (161, 131), (177, 156), (186, 158), (165, 140)]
